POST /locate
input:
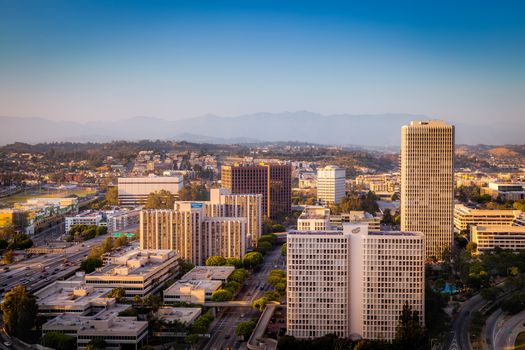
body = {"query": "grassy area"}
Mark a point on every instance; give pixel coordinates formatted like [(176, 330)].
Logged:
[(520, 341), (39, 193)]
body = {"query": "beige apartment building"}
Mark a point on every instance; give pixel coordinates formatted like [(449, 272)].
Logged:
[(487, 237), (427, 183), (193, 234), (225, 204), (465, 217), (353, 282)]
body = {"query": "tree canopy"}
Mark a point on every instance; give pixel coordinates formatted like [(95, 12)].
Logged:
[(19, 310)]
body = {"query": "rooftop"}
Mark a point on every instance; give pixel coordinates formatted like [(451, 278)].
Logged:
[(220, 273), (187, 286), (315, 212), (72, 294), (181, 314), (105, 322)]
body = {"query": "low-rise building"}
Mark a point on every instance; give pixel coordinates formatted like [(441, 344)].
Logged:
[(72, 297), (191, 291), (508, 191), (138, 272), (118, 332), (314, 218), (88, 217), (487, 238), (465, 217), (186, 315), (209, 273), (356, 217)]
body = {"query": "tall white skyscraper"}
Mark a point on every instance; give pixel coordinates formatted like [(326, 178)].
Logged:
[(353, 282), (330, 184), (427, 183)]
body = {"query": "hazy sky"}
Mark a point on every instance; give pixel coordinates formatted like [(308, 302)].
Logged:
[(92, 60)]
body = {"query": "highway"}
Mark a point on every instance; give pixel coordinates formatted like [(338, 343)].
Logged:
[(41, 270), (223, 332)]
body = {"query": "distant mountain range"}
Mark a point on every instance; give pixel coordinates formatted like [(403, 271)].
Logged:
[(343, 129)]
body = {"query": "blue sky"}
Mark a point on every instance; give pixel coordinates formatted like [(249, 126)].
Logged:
[(95, 60)]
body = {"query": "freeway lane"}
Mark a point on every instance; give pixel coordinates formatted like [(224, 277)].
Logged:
[(41, 270)]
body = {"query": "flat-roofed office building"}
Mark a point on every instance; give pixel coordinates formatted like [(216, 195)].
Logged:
[(465, 217), (427, 183), (330, 184), (488, 238), (135, 190), (272, 180)]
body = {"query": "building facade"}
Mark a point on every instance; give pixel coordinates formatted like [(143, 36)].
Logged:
[(330, 184), (314, 218), (135, 190), (353, 282), (387, 270), (465, 217), (273, 181), (490, 237), (427, 183)]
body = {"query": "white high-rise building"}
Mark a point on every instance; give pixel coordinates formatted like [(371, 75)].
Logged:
[(387, 270), (427, 183), (330, 184), (353, 282), (318, 281)]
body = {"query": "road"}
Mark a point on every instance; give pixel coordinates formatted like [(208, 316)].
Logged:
[(41, 270), (489, 331), (458, 339), (506, 335), (223, 332)]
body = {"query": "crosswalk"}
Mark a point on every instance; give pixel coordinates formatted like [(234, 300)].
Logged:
[(454, 344)]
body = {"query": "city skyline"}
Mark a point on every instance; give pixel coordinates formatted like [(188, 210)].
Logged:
[(86, 61)]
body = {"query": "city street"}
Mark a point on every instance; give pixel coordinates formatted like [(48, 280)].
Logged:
[(223, 332)]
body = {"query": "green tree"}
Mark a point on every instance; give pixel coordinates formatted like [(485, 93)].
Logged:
[(284, 249), (185, 266), (160, 200), (410, 334), (276, 276), (8, 257), (20, 241), (117, 293), (232, 286), (107, 244), (96, 343), (59, 341), (222, 295), (252, 259), (238, 275), (90, 264), (191, 339), (260, 304), (264, 246), (237, 263), (245, 329), (19, 310), (215, 261), (112, 196)]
